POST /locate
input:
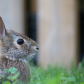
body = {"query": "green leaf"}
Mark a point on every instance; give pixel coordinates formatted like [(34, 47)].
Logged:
[(69, 79), (79, 66), (0, 77), (14, 77), (12, 70), (6, 82), (82, 83), (15, 82), (6, 70)]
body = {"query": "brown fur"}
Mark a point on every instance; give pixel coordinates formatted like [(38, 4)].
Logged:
[(21, 67)]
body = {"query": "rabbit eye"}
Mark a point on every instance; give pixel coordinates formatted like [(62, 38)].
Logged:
[(20, 41)]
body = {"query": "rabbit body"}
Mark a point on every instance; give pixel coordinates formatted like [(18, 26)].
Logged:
[(21, 67), (15, 50)]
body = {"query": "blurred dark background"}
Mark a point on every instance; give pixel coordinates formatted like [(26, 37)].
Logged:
[(81, 27), (31, 22)]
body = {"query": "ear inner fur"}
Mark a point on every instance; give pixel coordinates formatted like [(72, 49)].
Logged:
[(3, 31), (2, 28)]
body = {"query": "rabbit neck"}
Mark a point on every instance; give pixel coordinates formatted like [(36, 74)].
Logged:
[(12, 63), (21, 67)]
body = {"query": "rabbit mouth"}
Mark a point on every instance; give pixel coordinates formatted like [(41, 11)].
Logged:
[(30, 56)]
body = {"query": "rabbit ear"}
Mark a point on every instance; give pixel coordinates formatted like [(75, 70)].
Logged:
[(3, 31)]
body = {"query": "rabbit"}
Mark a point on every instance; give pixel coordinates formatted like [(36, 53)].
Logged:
[(15, 51)]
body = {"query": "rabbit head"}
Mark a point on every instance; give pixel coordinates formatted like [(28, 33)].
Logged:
[(15, 46)]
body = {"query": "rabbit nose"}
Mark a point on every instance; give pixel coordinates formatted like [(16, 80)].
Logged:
[(37, 48)]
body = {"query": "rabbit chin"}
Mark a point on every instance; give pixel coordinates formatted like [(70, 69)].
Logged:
[(30, 56)]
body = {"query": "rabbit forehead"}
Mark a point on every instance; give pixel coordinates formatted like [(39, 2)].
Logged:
[(15, 34)]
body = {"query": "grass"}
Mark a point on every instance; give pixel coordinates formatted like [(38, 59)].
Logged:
[(52, 75), (58, 75)]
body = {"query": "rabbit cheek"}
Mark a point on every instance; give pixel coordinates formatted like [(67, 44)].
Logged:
[(23, 47), (23, 50)]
